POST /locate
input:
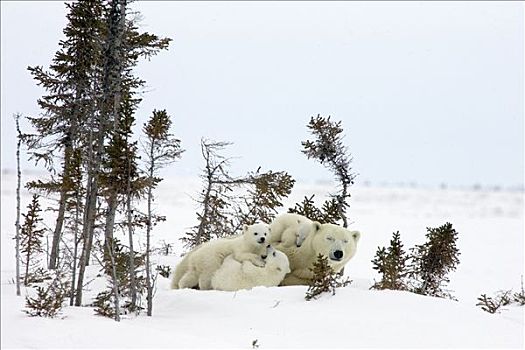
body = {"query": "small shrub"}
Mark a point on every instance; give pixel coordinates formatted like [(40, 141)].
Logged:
[(391, 263), (49, 300), (37, 276), (166, 248), (432, 261), (104, 304), (492, 305), (164, 270), (519, 297), (325, 279)]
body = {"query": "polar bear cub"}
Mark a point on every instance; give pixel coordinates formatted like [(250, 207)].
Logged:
[(290, 229), (199, 265), (234, 275)]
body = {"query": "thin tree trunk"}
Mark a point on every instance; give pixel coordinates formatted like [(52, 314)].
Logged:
[(90, 208), (110, 217), (133, 282), (148, 235), (53, 257), (75, 249), (112, 68), (87, 235), (17, 224), (115, 280), (28, 259)]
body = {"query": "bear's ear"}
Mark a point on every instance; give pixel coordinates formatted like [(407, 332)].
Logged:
[(317, 226), (356, 235), (244, 228)]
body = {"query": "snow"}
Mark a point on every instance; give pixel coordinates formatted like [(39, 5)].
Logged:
[(490, 226)]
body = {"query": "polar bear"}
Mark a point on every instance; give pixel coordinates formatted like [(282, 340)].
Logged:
[(290, 229), (198, 266), (335, 242), (234, 275)]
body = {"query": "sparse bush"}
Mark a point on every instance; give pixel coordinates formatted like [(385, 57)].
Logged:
[(325, 279), (502, 298), (165, 248), (492, 305), (49, 299), (423, 271), (116, 267), (39, 275), (391, 263), (228, 202), (104, 304), (329, 150), (328, 214), (31, 234), (432, 261), (164, 270)]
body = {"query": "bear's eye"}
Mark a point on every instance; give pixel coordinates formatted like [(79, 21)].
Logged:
[(329, 238), (345, 241), (274, 254), (255, 233)]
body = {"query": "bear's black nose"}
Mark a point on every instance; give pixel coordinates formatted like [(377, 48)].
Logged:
[(338, 254), (262, 239)]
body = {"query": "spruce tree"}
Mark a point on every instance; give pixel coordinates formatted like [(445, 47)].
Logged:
[(161, 149), (433, 260), (214, 198), (49, 298), (123, 47), (391, 263), (31, 235), (68, 104), (325, 279), (329, 150), (17, 222)]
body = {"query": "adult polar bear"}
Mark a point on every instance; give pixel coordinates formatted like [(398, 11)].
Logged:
[(302, 240), (196, 269), (234, 275)]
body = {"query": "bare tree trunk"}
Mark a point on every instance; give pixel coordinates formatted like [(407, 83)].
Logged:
[(87, 234), (149, 285), (75, 249), (110, 217), (28, 259), (17, 224), (115, 279), (132, 280), (53, 257), (206, 199)]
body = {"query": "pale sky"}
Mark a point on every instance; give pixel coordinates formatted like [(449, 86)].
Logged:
[(428, 92)]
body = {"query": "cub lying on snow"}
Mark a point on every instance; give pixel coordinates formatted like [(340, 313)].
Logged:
[(234, 275), (198, 266)]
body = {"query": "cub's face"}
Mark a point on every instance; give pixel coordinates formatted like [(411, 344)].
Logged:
[(256, 234), (336, 243), (303, 230), (277, 260)]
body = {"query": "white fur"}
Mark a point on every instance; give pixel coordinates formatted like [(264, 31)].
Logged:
[(335, 242), (290, 229), (234, 275), (198, 266)]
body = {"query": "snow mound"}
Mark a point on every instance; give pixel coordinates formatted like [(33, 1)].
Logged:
[(277, 317)]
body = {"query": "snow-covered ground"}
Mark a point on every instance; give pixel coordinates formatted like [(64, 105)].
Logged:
[(490, 226)]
